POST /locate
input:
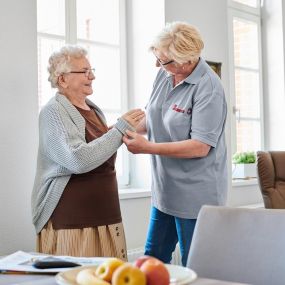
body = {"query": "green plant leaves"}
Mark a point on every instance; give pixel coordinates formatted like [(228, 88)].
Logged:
[(244, 157)]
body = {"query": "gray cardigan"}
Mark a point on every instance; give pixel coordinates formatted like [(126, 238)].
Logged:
[(63, 151)]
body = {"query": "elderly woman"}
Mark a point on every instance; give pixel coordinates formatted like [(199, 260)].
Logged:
[(75, 204), (185, 124)]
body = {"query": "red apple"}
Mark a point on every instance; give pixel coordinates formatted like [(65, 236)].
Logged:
[(139, 262), (155, 271)]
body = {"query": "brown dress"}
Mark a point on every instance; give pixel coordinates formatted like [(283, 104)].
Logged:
[(87, 220)]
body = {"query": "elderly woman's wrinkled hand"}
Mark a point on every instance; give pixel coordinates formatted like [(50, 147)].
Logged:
[(134, 117)]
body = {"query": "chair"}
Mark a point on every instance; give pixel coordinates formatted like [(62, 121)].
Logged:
[(271, 178), (239, 245)]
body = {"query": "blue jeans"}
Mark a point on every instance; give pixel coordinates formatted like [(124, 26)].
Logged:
[(163, 234)]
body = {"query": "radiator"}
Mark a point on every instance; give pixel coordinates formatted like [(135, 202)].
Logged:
[(133, 254)]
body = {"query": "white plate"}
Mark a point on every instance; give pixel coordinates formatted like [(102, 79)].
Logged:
[(178, 275)]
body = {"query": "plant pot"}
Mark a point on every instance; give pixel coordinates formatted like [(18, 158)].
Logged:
[(244, 170)]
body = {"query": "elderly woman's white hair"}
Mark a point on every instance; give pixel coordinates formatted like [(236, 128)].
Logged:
[(180, 42), (60, 62)]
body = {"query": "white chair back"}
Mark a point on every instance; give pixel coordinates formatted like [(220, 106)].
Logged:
[(239, 245)]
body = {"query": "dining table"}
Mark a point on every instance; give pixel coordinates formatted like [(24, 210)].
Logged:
[(34, 279)]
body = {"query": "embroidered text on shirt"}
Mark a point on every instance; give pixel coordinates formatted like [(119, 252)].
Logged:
[(175, 108)]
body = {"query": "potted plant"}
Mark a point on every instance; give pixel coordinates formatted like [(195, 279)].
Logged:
[(244, 165)]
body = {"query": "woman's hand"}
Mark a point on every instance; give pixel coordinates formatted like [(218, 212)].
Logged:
[(136, 143), (134, 117)]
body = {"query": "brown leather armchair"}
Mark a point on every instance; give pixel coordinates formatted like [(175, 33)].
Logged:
[(271, 178)]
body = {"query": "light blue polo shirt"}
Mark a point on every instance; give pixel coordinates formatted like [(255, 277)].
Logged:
[(194, 109)]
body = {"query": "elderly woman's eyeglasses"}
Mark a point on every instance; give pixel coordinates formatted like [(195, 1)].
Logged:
[(87, 72), (163, 63)]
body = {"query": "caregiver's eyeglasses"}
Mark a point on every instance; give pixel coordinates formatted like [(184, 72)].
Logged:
[(163, 63)]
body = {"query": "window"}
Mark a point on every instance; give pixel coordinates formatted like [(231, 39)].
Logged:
[(51, 36), (99, 27), (246, 76), (250, 3)]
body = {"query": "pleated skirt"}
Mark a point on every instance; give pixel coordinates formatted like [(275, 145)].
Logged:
[(101, 241)]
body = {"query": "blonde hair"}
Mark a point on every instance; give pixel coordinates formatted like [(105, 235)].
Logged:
[(180, 42), (60, 62)]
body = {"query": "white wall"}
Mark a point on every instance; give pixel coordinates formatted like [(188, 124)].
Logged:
[(135, 214), (18, 117)]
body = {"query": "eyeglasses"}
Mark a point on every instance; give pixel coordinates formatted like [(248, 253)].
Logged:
[(163, 63), (87, 72)]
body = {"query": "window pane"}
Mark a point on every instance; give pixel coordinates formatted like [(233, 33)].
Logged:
[(247, 93), (251, 3), (245, 43), (106, 86), (119, 162), (98, 20), (112, 119), (50, 17), (45, 48), (248, 136)]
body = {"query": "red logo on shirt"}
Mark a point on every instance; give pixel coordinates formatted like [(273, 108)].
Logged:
[(176, 109)]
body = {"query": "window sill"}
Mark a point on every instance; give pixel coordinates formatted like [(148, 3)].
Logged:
[(244, 182), (134, 193)]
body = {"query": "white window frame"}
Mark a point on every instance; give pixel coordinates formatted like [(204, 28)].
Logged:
[(245, 8), (251, 14), (70, 37)]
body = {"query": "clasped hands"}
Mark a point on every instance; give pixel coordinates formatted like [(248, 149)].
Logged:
[(135, 142), (134, 117)]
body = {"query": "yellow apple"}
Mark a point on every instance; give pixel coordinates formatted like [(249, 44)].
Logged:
[(107, 268), (128, 274), (88, 277)]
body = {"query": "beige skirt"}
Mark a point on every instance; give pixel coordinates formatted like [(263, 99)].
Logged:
[(102, 241)]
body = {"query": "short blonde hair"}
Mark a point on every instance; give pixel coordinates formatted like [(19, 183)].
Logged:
[(60, 62), (180, 42)]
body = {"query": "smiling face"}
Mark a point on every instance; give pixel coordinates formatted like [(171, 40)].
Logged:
[(75, 84)]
